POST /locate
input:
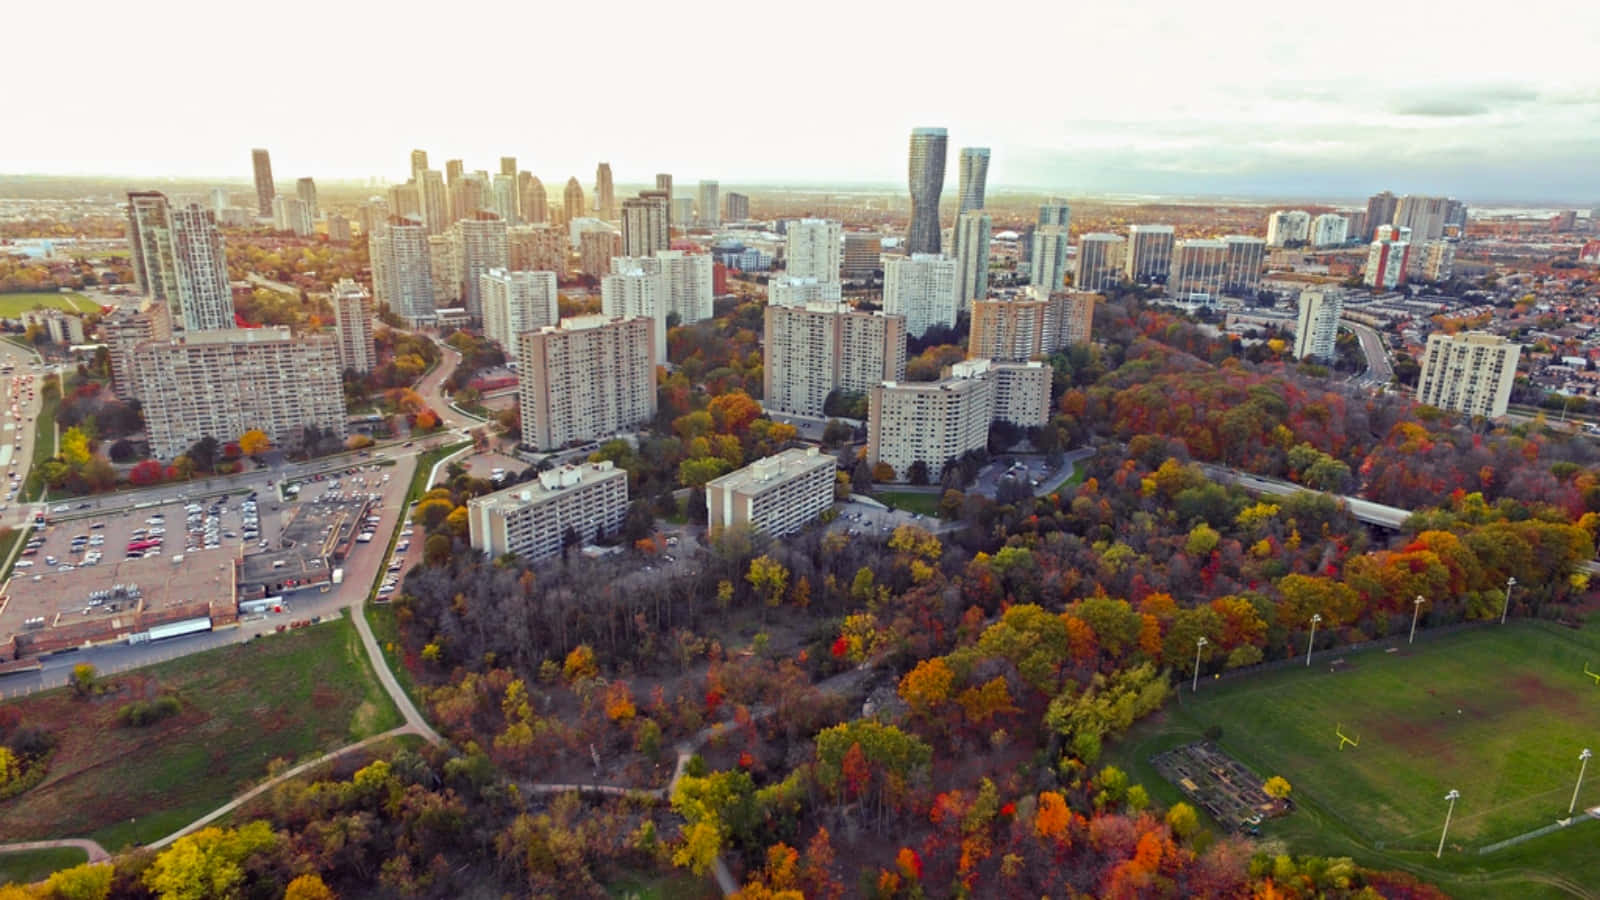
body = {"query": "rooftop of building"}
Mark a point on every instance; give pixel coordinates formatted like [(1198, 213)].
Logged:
[(550, 483), (772, 469), (264, 335)]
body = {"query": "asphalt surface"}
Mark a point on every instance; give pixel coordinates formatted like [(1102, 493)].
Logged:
[(1379, 369)]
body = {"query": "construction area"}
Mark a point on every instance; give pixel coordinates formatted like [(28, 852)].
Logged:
[(1220, 784)]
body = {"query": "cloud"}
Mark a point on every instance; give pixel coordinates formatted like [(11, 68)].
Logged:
[(1441, 108), (1464, 101)]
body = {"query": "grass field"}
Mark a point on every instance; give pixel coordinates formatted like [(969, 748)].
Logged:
[(44, 436), (288, 696), (29, 866), (910, 501), (1499, 714), (14, 305)]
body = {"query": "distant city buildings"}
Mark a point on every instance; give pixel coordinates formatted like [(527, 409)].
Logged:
[(776, 495), (562, 508), (1288, 227), (1099, 261), (605, 195), (1055, 211), (710, 208), (736, 207), (1317, 330), (444, 261), (585, 378), (644, 226), (596, 249), (261, 162), (220, 384), (433, 199), (1245, 257), (1471, 373), (1380, 212), (1329, 230), (922, 287), (515, 302), (1149, 256), (861, 252), (482, 240), (1425, 216), (537, 248), (974, 163), (926, 177), (306, 190), (812, 249), (1438, 261), (338, 228), (535, 202), (402, 270), (290, 214), (972, 234), (1387, 258), (1199, 271), (813, 350), (572, 201), (353, 310), (789, 291), (1051, 250)]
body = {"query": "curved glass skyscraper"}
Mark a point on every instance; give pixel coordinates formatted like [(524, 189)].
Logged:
[(928, 147), (974, 172)]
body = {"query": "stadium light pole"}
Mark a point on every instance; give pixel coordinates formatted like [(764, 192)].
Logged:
[(1311, 641), (1583, 763), (1510, 583), (1198, 646), (1453, 796), (1416, 610)]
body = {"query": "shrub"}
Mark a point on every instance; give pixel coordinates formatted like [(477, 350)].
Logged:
[(141, 713)]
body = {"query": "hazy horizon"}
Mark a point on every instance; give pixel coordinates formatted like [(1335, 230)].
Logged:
[(1255, 100)]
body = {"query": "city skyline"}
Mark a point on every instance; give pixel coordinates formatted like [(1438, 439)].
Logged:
[(1233, 106)]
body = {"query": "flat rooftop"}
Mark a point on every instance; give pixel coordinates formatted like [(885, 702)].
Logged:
[(550, 483), (314, 539), (771, 469)]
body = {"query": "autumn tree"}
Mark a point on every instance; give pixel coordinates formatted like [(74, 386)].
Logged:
[(254, 442), (208, 863), (309, 887), (1276, 787)]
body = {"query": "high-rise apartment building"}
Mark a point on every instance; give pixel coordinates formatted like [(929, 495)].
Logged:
[(926, 177), (662, 199), (220, 384), (664, 182), (469, 195), (1455, 213), (1055, 211), (1050, 255), (535, 203), (736, 207), (405, 201), (1287, 227), (402, 270), (974, 173), (813, 350), (644, 226), (1380, 212), (372, 215), (338, 228), (596, 249), (861, 252), (1355, 224), (204, 299), (1470, 372), (1016, 329), (1329, 230), (683, 210), (353, 310), (483, 242), (537, 248), (1246, 255), (419, 163), (289, 213), (261, 161), (635, 291), (1199, 271), (605, 195), (539, 519), (515, 302), (1149, 256), (1021, 391), (1099, 261), (922, 287), (572, 206), (123, 330), (1387, 258), (930, 422), (972, 233), (812, 249), (776, 495), (444, 261), (150, 244), (1438, 261), (453, 170), (689, 290), (585, 378), (1423, 215), (503, 198), (710, 205), (1068, 319), (434, 197), (787, 290), (1317, 330), (508, 165), (306, 190)]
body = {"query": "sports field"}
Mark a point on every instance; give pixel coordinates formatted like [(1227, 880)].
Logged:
[(14, 305), (1499, 714)]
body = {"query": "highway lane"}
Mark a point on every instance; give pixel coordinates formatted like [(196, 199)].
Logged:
[(1379, 368)]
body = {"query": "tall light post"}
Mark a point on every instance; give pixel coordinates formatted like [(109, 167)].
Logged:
[(1510, 583), (1416, 610), (1312, 641), (1583, 763), (1453, 796), (1198, 646)]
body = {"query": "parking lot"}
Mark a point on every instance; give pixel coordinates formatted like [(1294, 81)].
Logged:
[(230, 524)]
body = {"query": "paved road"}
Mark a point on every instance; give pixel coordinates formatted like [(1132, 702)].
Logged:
[(1379, 369), (96, 852)]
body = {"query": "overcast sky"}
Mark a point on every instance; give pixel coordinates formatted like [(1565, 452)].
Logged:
[(1489, 102)]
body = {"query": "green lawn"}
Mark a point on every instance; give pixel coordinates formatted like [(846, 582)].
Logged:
[(14, 305), (1499, 714), (910, 501), (28, 866), (283, 697), (44, 436)]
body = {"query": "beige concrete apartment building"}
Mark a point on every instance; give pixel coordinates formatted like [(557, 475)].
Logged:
[(815, 349), (533, 519), (777, 495), (586, 377)]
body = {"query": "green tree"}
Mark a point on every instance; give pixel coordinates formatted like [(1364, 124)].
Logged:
[(209, 863), (83, 679), (769, 578), (89, 881), (75, 447)]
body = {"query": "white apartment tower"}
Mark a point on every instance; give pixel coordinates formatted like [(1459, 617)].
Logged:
[(1329, 230), (812, 350), (631, 291), (1470, 373), (1199, 271), (921, 287), (353, 310), (1286, 226), (644, 227), (931, 422), (482, 239), (535, 519), (306, 190), (585, 378), (1099, 261), (710, 204), (1051, 249), (812, 249), (402, 270), (515, 302), (776, 495), (201, 268), (1317, 330), (1149, 257), (791, 291), (973, 231)]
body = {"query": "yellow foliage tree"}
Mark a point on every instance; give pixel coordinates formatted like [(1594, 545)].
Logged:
[(1277, 787), (1053, 816), (90, 881), (254, 442), (208, 863), (702, 841), (10, 766), (580, 663), (926, 687), (309, 887)]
